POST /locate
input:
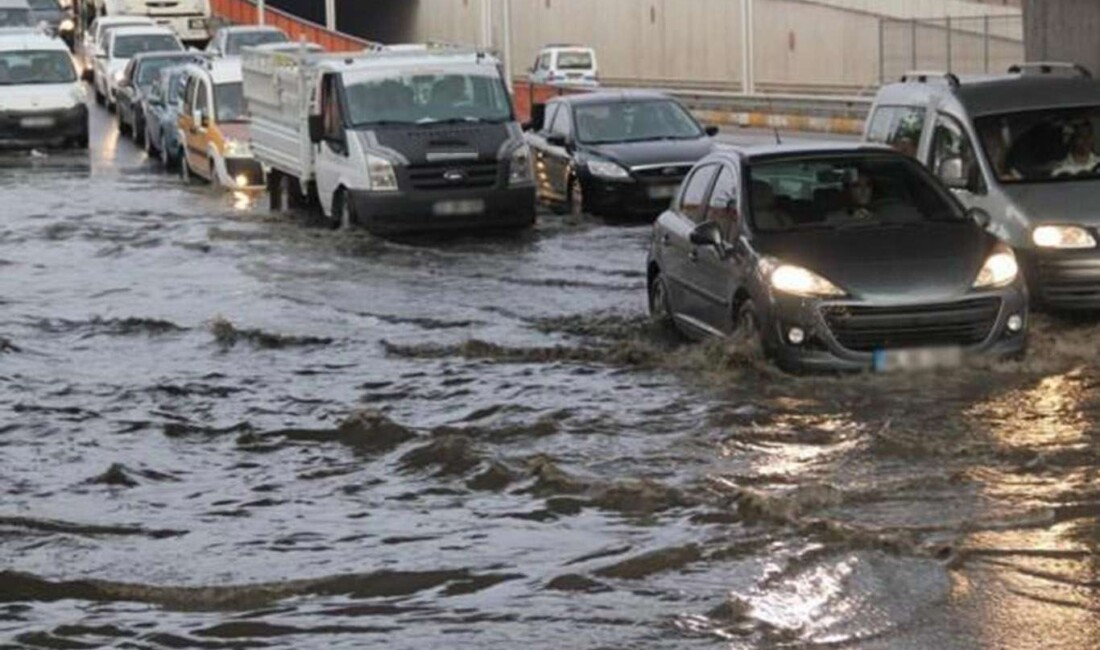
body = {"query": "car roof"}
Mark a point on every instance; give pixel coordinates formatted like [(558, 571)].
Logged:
[(432, 56), (107, 21), (141, 30), (220, 71), (610, 97), (184, 57), (794, 150), (244, 29), (998, 94), (29, 40)]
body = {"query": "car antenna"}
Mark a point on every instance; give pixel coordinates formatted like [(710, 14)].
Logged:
[(778, 140), (775, 127)]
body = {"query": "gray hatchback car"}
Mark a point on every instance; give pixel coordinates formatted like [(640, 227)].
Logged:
[(1022, 147)]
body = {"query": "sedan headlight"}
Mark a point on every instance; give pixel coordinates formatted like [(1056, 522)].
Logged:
[(67, 25), (381, 174), (1000, 270), (519, 167), (798, 281), (607, 170), (1062, 237), (237, 149)]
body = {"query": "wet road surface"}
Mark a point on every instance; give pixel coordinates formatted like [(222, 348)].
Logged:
[(227, 428)]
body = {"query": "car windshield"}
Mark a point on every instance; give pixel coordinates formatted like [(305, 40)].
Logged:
[(849, 191), (1054, 145), (15, 18), (229, 102), (634, 122), (428, 99), (150, 69), (236, 42), (575, 60), (127, 46), (36, 67)]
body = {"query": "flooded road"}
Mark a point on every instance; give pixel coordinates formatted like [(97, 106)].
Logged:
[(227, 428)]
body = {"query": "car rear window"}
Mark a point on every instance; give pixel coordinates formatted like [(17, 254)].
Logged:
[(575, 60), (127, 46)]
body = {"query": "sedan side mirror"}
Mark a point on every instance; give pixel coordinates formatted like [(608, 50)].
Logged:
[(712, 131), (952, 174), (557, 140), (707, 234), (980, 217)]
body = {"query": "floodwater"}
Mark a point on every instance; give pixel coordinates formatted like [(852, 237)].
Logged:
[(227, 428)]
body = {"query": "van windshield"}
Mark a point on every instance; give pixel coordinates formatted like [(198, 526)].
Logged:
[(636, 121), (843, 192), (126, 47), (36, 67), (229, 102), (237, 42), (1045, 146), (15, 18), (575, 60), (428, 99)]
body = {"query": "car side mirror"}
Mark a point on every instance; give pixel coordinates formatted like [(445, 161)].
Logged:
[(707, 234), (951, 172), (557, 140), (711, 131), (316, 128), (980, 217)]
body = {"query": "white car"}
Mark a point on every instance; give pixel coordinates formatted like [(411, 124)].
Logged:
[(97, 34), (573, 65), (122, 44), (42, 102), (15, 14), (229, 41)]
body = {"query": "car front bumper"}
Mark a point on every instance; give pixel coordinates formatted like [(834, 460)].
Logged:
[(630, 198), (43, 128), (442, 210), (232, 170), (847, 335), (1063, 279)]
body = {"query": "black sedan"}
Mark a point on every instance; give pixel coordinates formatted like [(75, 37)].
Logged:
[(614, 154), (834, 258), (138, 78)]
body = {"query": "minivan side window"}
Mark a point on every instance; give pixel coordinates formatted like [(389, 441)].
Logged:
[(694, 194), (723, 204), (562, 123), (551, 113), (950, 142), (202, 101), (899, 127)]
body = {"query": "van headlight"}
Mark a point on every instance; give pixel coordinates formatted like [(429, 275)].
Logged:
[(607, 170), (382, 176), (999, 270), (1062, 237), (798, 281), (520, 169)]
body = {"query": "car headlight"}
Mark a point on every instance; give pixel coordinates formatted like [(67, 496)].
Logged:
[(999, 270), (78, 94), (119, 76), (381, 174), (237, 149), (66, 25), (1062, 237), (607, 170), (798, 281), (520, 169)]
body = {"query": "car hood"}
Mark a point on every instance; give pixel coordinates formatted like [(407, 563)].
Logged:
[(929, 262), (1070, 202), (39, 97), (654, 152)]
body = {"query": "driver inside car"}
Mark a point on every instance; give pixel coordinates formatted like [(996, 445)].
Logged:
[(859, 193), (1081, 158)]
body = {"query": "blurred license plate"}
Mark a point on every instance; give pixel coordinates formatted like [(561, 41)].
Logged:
[(459, 208), (916, 359), (663, 191), (36, 122), (197, 23)]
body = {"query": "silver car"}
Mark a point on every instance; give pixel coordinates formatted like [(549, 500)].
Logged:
[(1021, 147)]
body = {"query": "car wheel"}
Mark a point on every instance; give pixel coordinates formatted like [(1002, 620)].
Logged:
[(343, 212), (137, 131), (150, 149), (660, 310), (576, 197), (746, 332), (99, 98), (166, 157), (185, 170), (123, 128)]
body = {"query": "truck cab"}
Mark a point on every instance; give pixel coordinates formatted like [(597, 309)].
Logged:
[(394, 141), (189, 19)]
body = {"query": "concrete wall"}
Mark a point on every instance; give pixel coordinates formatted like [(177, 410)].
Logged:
[(1063, 30)]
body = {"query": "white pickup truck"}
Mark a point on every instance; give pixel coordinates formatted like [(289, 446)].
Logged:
[(189, 19), (395, 141)]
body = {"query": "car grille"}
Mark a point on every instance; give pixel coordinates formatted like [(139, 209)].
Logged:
[(662, 175), (866, 329), (1069, 281), (437, 176)]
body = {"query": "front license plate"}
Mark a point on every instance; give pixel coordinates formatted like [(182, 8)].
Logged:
[(36, 122), (459, 208), (663, 191), (917, 359), (197, 23)]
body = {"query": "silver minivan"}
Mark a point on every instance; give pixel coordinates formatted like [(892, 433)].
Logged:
[(1022, 147)]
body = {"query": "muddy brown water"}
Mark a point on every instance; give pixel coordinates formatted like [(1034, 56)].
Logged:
[(225, 428)]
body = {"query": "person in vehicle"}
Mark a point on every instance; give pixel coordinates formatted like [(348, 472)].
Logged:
[(1082, 158), (997, 150), (859, 194), (765, 208)]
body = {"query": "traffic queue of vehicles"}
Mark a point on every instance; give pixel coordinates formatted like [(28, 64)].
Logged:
[(967, 201)]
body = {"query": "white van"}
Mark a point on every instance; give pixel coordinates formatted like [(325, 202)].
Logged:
[(572, 65), (97, 34), (42, 102), (121, 45), (189, 19)]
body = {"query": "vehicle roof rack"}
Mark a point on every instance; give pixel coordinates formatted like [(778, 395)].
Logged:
[(1050, 67), (928, 76)]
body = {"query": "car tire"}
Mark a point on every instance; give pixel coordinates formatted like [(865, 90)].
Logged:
[(185, 171), (660, 311), (576, 197), (343, 211), (147, 144), (123, 127), (746, 331), (137, 131), (99, 98), (166, 157)]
